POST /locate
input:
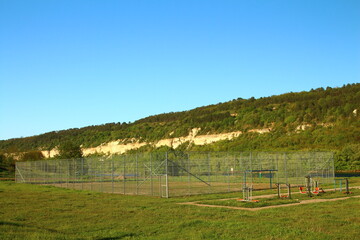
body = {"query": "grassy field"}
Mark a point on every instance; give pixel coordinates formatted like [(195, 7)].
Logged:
[(46, 212)]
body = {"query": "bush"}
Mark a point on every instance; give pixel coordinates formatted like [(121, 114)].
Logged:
[(7, 164), (31, 156), (348, 158)]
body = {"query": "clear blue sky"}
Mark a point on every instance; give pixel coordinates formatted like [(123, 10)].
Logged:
[(74, 63)]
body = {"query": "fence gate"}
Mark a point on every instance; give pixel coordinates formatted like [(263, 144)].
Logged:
[(153, 179)]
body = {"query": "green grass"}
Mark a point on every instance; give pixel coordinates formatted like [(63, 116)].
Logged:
[(45, 212)]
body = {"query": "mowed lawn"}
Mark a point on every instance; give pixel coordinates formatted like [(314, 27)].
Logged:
[(43, 212)]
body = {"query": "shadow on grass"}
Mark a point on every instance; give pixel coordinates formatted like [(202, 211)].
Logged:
[(14, 224), (118, 237), (25, 225), (11, 224)]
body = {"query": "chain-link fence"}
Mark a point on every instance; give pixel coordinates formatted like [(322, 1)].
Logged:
[(168, 174)]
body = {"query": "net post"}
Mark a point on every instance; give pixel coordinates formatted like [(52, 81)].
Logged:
[(278, 189), (347, 185), (308, 185), (289, 190)]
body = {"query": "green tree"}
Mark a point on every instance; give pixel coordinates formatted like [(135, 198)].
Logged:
[(7, 166), (32, 156), (69, 150), (348, 158)]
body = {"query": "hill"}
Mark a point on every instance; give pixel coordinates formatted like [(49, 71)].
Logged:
[(319, 119)]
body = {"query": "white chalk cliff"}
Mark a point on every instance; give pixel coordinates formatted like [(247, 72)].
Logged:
[(123, 145)]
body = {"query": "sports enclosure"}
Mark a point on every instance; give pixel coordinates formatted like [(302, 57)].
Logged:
[(169, 174)]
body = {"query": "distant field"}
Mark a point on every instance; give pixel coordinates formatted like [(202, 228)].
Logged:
[(46, 212)]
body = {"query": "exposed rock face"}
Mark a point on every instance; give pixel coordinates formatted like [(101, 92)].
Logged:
[(261, 131), (124, 145), (119, 147), (113, 148), (197, 139), (303, 127), (50, 153)]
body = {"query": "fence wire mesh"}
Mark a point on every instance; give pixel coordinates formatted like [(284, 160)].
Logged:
[(174, 173)]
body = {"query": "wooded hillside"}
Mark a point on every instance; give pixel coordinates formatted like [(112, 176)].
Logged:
[(320, 119)]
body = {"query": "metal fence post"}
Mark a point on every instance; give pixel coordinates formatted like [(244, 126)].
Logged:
[(151, 177), (136, 175), (58, 175), (112, 174), (93, 177), (68, 173), (209, 171), (166, 177), (188, 172), (332, 166), (43, 166), (228, 170), (82, 173), (285, 166), (251, 168), (101, 175), (124, 172)]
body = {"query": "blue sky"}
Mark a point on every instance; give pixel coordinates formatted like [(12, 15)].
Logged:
[(67, 64)]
